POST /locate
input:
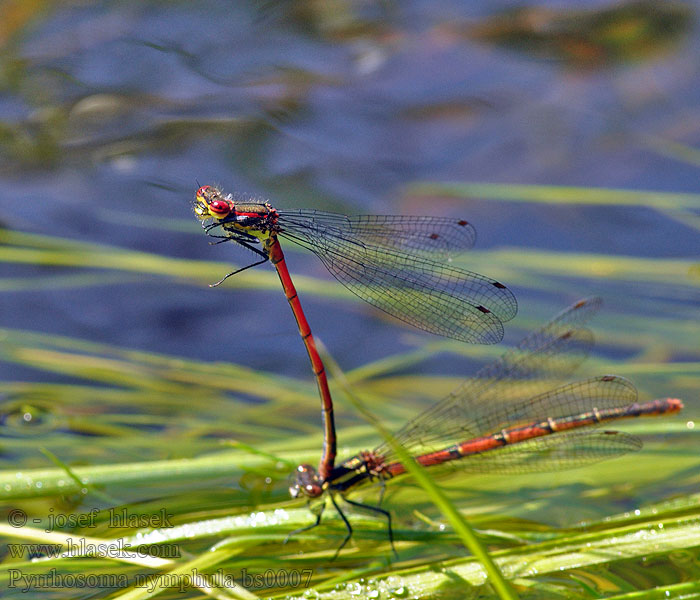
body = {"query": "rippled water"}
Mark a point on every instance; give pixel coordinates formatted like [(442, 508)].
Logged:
[(113, 111)]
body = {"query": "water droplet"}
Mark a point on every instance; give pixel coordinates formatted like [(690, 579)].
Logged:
[(354, 589), (22, 415)]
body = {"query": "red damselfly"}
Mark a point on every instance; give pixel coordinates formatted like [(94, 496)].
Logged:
[(385, 260), (512, 417)]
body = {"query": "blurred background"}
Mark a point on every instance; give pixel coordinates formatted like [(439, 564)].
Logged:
[(566, 132), (113, 111)]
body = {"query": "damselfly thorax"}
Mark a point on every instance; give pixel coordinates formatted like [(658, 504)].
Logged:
[(251, 218)]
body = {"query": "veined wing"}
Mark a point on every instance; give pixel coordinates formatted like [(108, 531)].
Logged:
[(390, 269), (439, 236), (540, 361), (565, 450), (532, 426)]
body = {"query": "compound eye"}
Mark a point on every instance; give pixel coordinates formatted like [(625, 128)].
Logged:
[(313, 490), (219, 208)]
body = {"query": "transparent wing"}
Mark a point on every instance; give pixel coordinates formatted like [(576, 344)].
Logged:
[(584, 403), (555, 430), (441, 236), (385, 260), (504, 389), (565, 450)]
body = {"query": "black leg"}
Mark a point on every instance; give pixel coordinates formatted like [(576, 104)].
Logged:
[(381, 511), (235, 236), (231, 237), (242, 238), (245, 244), (347, 526), (222, 239), (308, 527), (225, 277), (209, 226)]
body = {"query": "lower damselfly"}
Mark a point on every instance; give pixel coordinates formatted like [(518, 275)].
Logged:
[(510, 418)]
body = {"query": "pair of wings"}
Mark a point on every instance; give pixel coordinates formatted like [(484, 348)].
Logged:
[(401, 265), (520, 389)]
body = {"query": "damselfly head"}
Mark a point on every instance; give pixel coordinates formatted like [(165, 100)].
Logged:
[(306, 483), (209, 203)]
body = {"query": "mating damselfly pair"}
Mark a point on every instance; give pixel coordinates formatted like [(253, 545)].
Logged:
[(510, 417)]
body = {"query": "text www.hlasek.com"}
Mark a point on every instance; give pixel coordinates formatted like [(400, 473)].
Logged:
[(81, 547)]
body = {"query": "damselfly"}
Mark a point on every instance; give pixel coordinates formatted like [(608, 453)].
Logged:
[(385, 260), (507, 419)]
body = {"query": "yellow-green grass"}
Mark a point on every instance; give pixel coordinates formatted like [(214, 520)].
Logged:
[(211, 445)]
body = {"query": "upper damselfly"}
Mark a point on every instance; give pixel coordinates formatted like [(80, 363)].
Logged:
[(400, 264)]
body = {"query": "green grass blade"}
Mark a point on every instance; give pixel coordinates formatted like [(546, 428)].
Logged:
[(460, 525)]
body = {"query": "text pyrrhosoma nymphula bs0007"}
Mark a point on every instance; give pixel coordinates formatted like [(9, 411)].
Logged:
[(507, 419), (385, 260)]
